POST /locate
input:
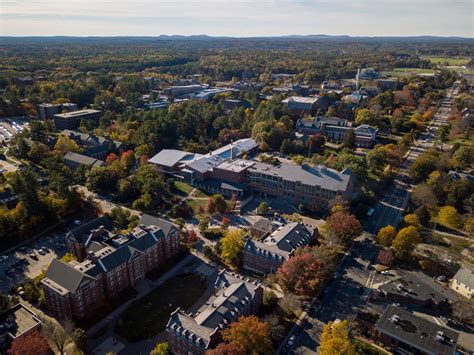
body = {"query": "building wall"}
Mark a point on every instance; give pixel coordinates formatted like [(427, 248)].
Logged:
[(462, 289), (259, 263)]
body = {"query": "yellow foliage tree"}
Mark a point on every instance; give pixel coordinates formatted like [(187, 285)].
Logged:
[(335, 339), (406, 241), (386, 235), (231, 247), (412, 220), (65, 144), (449, 216)]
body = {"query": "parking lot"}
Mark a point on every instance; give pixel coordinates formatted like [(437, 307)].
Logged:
[(10, 127), (28, 262)]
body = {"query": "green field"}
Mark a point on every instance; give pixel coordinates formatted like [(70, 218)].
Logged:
[(450, 60), (148, 316), (182, 188), (399, 72)]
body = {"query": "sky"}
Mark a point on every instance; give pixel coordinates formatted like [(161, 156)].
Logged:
[(240, 18)]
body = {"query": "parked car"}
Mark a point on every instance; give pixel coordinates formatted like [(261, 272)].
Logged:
[(386, 272), (291, 341), (33, 256), (3, 257), (441, 278)]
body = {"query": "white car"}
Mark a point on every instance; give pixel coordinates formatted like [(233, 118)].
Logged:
[(386, 272), (291, 341)]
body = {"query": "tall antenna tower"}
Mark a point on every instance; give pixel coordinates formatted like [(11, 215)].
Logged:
[(357, 78)]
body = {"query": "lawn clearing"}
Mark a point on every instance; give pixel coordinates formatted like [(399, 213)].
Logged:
[(399, 72), (182, 188), (194, 204), (148, 316), (449, 60), (200, 194)]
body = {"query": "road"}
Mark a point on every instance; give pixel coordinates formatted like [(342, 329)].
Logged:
[(354, 279), (390, 209)]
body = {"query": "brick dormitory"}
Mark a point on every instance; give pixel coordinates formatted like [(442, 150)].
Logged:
[(107, 264)]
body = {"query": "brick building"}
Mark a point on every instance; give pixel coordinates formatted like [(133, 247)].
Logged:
[(108, 264), (233, 297), (267, 254)]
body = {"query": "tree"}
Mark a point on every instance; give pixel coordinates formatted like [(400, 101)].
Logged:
[(263, 208), (464, 156), (161, 349), (343, 227), (5, 303), (56, 334), (449, 216), (335, 339), (412, 220), (111, 158), (301, 274), (376, 159), (363, 116), (423, 215), (463, 311), (277, 329), (422, 167), (349, 139), (232, 246), (250, 335), (68, 257), (315, 142), (442, 134), (65, 144), (386, 235), (217, 203), (30, 344), (424, 196), (22, 148), (405, 242), (225, 349), (203, 223)]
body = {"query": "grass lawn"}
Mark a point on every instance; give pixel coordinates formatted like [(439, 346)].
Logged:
[(399, 72), (182, 188), (449, 60), (148, 316), (200, 194), (194, 204)]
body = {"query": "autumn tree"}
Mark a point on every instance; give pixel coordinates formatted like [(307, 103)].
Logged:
[(306, 270), (161, 349), (343, 227), (216, 203), (463, 311), (226, 349), (250, 335), (385, 256), (335, 339), (405, 242), (232, 246), (65, 144), (412, 220), (386, 235), (442, 134), (449, 216), (30, 344), (363, 116)]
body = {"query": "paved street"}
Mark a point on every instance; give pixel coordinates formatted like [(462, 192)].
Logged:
[(354, 279), (390, 209)]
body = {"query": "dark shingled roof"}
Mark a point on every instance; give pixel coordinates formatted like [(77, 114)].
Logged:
[(81, 233), (417, 332), (65, 275), (149, 220)]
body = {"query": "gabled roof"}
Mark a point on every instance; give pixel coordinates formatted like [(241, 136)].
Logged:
[(171, 157), (149, 220), (82, 232), (66, 275), (465, 276)]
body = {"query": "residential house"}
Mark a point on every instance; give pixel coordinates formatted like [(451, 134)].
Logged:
[(406, 333), (266, 255), (463, 282), (195, 333), (410, 290)]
